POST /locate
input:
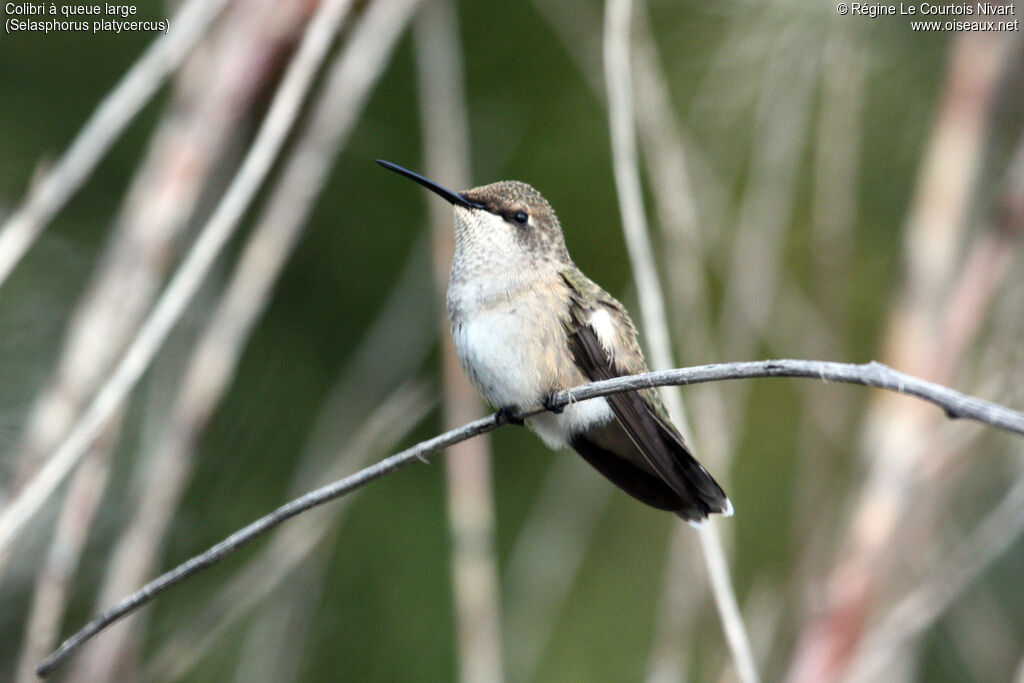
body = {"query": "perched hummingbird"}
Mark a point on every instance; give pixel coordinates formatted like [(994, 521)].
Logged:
[(527, 323)]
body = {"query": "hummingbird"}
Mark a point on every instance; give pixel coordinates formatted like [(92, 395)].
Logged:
[(527, 323)]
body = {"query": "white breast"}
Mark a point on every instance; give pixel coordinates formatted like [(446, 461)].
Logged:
[(492, 348), (502, 351)]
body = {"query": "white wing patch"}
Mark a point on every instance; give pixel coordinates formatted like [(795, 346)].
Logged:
[(601, 321)]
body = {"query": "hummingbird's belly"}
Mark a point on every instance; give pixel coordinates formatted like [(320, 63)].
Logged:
[(509, 356), (519, 356)]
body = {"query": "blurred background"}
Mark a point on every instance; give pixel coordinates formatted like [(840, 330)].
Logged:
[(816, 186)]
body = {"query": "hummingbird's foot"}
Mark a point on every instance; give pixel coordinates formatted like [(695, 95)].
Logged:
[(550, 402), (509, 415)]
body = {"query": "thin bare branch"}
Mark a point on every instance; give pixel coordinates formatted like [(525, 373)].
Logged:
[(278, 561), (375, 376), (54, 582), (652, 304), (106, 124), (275, 128), (446, 145), (952, 402)]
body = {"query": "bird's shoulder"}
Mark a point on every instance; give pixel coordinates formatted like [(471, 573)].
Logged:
[(587, 298)]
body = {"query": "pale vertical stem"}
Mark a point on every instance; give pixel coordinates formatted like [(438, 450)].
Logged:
[(754, 276), (196, 127), (677, 611), (677, 213), (220, 346), (627, 181), (287, 617), (272, 134), (666, 161), (675, 201), (564, 520), (914, 339), (728, 607), (837, 152), (343, 437), (984, 269), (672, 194), (199, 123), (55, 580), (48, 195), (255, 584), (470, 496), (985, 266), (919, 609), (573, 23)]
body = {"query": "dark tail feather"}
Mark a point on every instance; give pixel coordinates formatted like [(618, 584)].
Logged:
[(654, 465), (660, 446), (643, 486), (700, 495), (703, 494)]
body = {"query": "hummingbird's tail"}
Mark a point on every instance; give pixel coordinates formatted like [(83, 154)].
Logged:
[(678, 483), (706, 496), (640, 450)]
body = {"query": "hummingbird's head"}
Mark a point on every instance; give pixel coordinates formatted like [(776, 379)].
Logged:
[(508, 223), (514, 219)]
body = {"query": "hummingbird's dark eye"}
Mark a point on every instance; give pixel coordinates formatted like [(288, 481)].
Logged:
[(520, 217)]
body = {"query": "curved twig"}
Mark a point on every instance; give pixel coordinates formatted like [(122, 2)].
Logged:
[(953, 403)]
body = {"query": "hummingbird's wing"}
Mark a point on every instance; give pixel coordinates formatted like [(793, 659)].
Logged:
[(693, 493)]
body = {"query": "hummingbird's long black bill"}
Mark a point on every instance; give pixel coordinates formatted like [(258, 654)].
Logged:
[(453, 197)]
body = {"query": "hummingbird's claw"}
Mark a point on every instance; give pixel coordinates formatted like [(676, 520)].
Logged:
[(550, 402), (508, 415)]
